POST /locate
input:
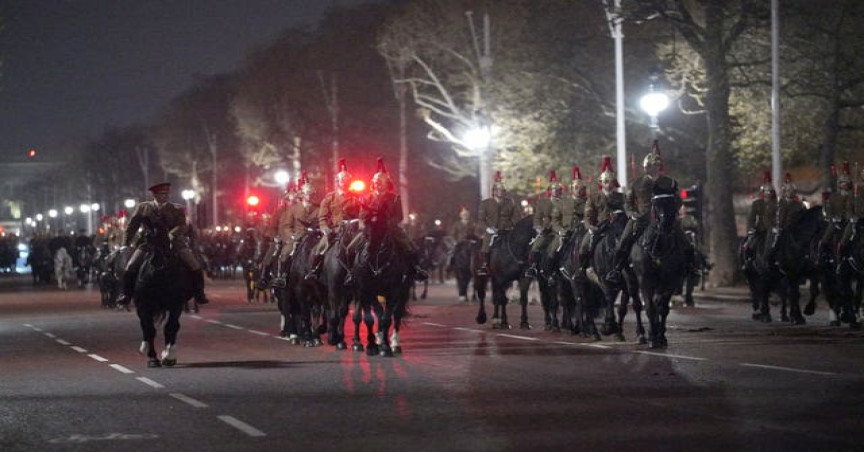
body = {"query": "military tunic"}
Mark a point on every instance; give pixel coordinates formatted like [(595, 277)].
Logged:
[(495, 215), (763, 216), (543, 223), (566, 217), (599, 208), (462, 230), (836, 211), (293, 224), (335, 208), (169, 217)]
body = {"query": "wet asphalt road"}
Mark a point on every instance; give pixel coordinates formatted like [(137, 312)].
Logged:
[(71, 379)]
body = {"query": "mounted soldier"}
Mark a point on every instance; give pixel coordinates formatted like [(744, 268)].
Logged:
[(763, 213), (270, 235), (599, 207), (837, 210), (163, 217), (464, 229), (789, 211), (570, 213), (854, 213), (294, 223), (339, 206), (543, 223), (638, 206), (496, 214)]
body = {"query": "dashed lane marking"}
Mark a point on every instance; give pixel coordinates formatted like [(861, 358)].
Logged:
[(235, 327), (195, 316), (122, 369), (78, 349), (242, 426), (434, 324), (62, 342), (260, 333), (524, 338), (150, 382), (215, 322), (788, 369), (188, 400), (51, 335), (604, 347), (470, 330), (98, 358), (667, 355)]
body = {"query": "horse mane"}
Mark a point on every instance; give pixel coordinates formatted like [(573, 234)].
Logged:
[(809, 224)]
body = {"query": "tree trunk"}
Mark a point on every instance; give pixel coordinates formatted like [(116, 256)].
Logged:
[(401, 98)]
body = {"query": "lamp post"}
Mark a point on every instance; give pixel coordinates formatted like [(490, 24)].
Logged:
[(188, 195), (654, 102), (85, 209), (478, 140)]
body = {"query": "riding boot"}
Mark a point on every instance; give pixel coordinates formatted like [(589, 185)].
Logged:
[(198, 287), (281, 278), (315, 271), (128, 288), (484, 268), (620, 261), (264, 281), (533, 259)]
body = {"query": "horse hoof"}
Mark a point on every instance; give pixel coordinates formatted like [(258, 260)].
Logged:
[(153, 362), (341, 346), (810, 309), (387, 353), (765, 318), (169, 362), (481, 319), (642, 340), (397, 349), (463, 298), (847, 317), (357, 347), (798, 320), (142, 349), (785, 318), (506, 326), (546, 327), (372, 350)]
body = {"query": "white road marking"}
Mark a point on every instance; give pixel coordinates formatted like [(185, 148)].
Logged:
[(78, 349), (28, 325), (470, 330), (524, 338), (215, 322), (242, 426), (599, 346), (122, 369), (434, 324), (52, 336), (260, 333), (565, 343), (234, 326), (667, 355), (788, 369), (62, 342), (149, 382), (188, 400), (98, 358), (195, 316), (282, 338)]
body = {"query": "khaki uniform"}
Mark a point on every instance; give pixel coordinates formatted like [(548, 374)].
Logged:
[(293, 224), (836, 211), (499, 215), (543, 223), (566, 217), (462, 230), (598, 210), (763, 216), (855, 213), (334, 209), (384, 210), (169, 218), (638, 205)]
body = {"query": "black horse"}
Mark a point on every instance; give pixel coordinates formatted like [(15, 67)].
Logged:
[(111, 277), (845, 302), (162, 287), (301, 301), (508, 256), (84, 258), (569, 287), (334, 270), (659, 264), (382, 272), (797, 260)]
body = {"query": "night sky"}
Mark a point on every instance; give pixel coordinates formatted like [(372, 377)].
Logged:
[(71, 67)]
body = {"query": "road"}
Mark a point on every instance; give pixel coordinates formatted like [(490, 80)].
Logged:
[(72, 379)]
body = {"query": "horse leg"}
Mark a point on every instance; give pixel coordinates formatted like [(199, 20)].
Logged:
[(480, 292), (622, 312), (172, 327), (372, 348), (609, 325), (425, 289), (357, 319), (384, 322), (662, 313), (794, 304), (524, 284), (148, 331)]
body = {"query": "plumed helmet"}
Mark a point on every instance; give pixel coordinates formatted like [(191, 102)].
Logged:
[(464, 212), (788, 189), (381, 179), (290, 191), (653, 158), (767, 188), (306, 188), (606, 172), (498, 184), (555, 188), (343, 177), (577, 181)]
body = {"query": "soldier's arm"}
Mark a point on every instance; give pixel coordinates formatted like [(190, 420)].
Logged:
[(630, 201), (481, 216), (179, 229), (134, 224), (751, 217), (324, 213)]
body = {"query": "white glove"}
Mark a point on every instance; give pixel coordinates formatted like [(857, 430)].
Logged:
[(539, 230), (491, 230), (326, 231)]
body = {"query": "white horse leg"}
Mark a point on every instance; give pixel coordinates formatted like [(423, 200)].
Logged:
[(379, 338), (394, 342), (143, 348), (169, 355)]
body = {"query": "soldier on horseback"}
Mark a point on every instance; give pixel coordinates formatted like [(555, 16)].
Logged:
[(339, 206), (569, 213), (464, 228), (638, 206), (854, 213), (543, 223), (162, 217), (496, 215), (271, 237), (294, 224), (837, 210), (599, 207), (763, 213), (789, 211)]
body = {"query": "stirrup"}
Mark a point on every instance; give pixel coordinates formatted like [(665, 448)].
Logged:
[(530, 272)]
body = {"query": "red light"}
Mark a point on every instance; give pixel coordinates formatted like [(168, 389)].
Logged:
[(253, 200), (684, 194), (357, 186), (31, 153)]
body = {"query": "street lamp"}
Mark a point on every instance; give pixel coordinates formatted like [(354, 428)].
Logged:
[(654, 102), (129, 203), (281, 177), (478, 139), (188, 195)]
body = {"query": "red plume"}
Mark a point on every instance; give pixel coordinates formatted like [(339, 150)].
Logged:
[(497, 176), (576, 173), (655, 147), (607, 163), (846, 167), (552, 176), (766, 177), (833, 168), (304, 178), (381, 168), (342, 165)]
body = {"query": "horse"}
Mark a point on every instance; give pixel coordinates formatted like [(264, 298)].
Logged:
[(763, 277), (84, 256), (844, 302), (334, 270), (63, 268), (562, 272), (508, 256), (796, 260), (602, 261), (382, 270), (110, 277), (301, 301), (162, 287), (659, 264), (465, 255), (245, 252)]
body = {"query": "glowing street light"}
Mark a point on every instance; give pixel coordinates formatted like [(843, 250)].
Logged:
[(84, 208), (281, 177), (129, 203), (39, 217), (479, 140), (94, 207), (68, 210), (653, 103), (187, 194), (52, 213)]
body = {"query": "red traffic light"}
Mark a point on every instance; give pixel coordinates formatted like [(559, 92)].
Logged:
[(253, 200), (684, 194), (357, 186)]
